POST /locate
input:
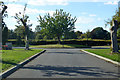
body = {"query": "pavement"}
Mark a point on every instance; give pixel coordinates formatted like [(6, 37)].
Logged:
[(66, 63)]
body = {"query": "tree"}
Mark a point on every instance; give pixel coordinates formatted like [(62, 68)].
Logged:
[(4, 26), (26, 23), (11, 34), (20, 31), (78, 34), (57, 25), (70, 35), (4, 35), (84, 35), (99, 33), (115, 25)]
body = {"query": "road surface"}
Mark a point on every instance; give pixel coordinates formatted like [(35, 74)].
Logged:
[(66, 63)]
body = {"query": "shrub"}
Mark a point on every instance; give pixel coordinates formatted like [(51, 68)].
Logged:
[(94, 42)]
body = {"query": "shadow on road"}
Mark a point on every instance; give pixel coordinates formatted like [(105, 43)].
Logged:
[(50, 71)]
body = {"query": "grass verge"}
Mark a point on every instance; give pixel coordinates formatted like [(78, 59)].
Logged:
[(11, 58), (105, 53), (60, 46)]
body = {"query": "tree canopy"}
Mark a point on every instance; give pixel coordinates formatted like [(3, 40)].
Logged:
[(99, 33), (57, 25)]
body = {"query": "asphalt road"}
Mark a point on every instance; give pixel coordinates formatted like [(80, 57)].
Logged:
[(66, 63)]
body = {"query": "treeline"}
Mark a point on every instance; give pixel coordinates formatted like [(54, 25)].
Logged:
[(97, 33)]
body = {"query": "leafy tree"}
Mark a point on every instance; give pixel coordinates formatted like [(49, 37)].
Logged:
[(24, 22), (99, 33), (11, 34), (83, 36), (78, 34), (57, 25), (38, 36), (70, 35), (4, 26), (20, 31), (88, 34)]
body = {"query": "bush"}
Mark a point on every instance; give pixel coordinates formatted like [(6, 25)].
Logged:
[(94, 42)]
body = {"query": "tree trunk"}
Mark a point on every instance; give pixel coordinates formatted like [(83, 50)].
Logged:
[(59, 42), (26, 43), (114, 44), (26, 36)]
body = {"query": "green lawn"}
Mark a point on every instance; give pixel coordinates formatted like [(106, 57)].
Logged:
[(59, 46), (105, 53), (11, 58)]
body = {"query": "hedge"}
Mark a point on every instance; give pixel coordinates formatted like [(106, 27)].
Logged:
[(79, 42), (90, 43)]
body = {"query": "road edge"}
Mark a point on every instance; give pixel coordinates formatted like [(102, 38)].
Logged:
[(13, 69), (103, 58)]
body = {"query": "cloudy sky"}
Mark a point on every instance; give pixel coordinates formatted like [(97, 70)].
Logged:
[(89, 13)]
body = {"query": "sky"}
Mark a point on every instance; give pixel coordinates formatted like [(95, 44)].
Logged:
[(90, 13)]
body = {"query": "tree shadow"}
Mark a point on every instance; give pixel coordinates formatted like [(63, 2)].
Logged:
[(8, 62), (50, 71)]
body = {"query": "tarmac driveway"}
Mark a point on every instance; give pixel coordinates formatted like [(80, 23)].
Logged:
[(66, 63)]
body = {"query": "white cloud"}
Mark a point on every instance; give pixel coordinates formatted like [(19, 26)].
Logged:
[(9, 1), (91, 0), (15, 8), (47, 2), (55, 2), (85, 20), (111, 3), (31, 11), (92, 15)]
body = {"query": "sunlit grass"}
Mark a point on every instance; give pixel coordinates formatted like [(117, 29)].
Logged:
[(13, 57), (59, 46), (105, 53)]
